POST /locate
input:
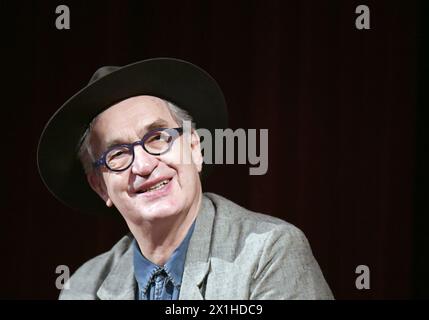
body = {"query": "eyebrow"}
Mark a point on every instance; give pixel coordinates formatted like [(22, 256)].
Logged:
[(158, 123)]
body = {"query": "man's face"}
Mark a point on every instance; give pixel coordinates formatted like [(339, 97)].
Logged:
[(127, 122)]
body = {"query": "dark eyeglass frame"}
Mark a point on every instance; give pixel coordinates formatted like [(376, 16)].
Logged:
[(173, 132)]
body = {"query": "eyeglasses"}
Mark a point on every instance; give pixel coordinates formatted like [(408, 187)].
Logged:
[(156, 142)]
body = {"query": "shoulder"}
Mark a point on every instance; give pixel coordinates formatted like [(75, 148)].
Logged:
[(87, 279), (228, 212), (275, 254), (248, 227)]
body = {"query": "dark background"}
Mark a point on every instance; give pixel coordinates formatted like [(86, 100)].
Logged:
[(345, 109)]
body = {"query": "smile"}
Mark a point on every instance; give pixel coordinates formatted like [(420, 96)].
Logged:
[(157, 188)]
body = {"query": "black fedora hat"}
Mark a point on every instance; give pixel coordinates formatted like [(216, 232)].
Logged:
[(178, 81)]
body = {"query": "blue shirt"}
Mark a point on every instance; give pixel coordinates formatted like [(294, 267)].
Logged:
[(161, 283)]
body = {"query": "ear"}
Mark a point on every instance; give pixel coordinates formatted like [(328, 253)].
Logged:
[(197, 156), (97, 184)]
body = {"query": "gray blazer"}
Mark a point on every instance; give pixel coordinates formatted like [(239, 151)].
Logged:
[(233, 254)]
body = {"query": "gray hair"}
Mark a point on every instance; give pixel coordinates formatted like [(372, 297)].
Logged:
[(85, 152)]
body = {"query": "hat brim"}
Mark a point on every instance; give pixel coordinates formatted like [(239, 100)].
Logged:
[(178, 81)]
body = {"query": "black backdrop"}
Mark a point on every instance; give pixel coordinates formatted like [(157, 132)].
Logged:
[(339, 103)]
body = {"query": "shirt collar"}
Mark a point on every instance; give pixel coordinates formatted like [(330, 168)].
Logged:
[(144, 269)]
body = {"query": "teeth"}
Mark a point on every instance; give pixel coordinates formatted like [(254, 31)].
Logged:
[(158, 186)]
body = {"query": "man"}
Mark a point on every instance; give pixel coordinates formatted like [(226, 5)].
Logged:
[(120, 144)]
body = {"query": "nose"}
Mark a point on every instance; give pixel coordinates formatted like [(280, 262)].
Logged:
[(144, 163)]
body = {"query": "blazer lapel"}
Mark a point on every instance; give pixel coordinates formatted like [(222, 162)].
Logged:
[(197, 263), (120, 283)]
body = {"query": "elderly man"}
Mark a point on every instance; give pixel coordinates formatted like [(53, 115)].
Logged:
[(119, 145)]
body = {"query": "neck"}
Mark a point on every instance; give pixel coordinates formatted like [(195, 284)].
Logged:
[(158, 239)]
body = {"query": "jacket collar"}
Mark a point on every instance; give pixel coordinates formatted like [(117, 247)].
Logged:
[(120, 283), (197, 264)]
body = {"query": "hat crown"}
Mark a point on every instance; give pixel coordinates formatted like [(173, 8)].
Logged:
[(101, 72)]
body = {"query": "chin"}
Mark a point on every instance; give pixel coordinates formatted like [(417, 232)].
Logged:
[(159, 210)]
